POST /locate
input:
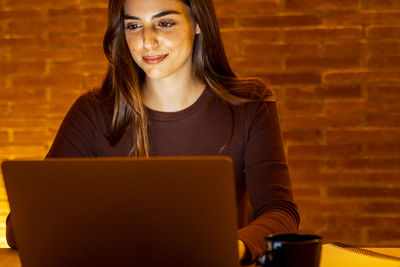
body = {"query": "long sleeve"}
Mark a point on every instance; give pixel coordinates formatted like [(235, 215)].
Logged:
[(267, 180)]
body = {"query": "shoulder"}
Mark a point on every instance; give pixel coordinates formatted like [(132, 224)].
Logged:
[(257, 112), (88, 114)]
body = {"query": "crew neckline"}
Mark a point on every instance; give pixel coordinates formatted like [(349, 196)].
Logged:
[(177, 115)]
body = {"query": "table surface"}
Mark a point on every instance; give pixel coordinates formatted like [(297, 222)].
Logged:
[(9, 257)]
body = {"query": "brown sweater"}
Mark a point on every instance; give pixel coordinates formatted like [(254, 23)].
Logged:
[(261, 171)]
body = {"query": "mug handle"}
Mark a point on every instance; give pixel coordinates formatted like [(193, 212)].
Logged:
[(266, 258)]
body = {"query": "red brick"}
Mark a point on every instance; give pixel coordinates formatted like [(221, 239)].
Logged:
[(71, 25), (280, 50), (363, 192), (383, 91), (292, 78), (329, 207), (35, 28), (306, 192), (305, 164), (364, 17), (58, 96), (28, 152), (24, 3), (4, 138), (21, 68), (96, 68), (384, 120), (303, 136), (325, 33), (60, 82), (362, 107), (321, 4), (240, 8), (345, 49), (341, 91), (324, 151), (386, 207), (93, 81), (323, 63), (384, 62), (41, 55), (362, 136), (226, 22), (231, 50), (364, 221), (384, 236), (383, 32), (382, 4), (74, 40), (311, 223), (383, 177), (319, 178), (38, 110), (20, 12), (95, 3), (301, 108), (31, 138), (3, 83), (94, 53), (361, 76), (73, 11), (4, 110), (22, 95), (323, 121), (255, 66), (366, 164), (68, 68), (22, 42), (98, 11), (302, 94), (20, 123), (61, 13), (250, 36), (383, 47), (95, 25), (280, 20), (385, 150)]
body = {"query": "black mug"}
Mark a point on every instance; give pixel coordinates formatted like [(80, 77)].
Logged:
[(292, 250)]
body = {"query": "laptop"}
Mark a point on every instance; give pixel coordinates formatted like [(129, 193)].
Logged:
[(161, 211)]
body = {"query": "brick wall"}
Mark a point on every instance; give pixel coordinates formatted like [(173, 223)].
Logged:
[(333, 64)]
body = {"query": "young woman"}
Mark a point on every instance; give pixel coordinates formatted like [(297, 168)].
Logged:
[(169, 90)]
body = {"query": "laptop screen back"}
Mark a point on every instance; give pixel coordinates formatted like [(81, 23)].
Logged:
[(166, 211)]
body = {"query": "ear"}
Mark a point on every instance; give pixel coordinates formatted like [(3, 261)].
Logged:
[(198, 31)]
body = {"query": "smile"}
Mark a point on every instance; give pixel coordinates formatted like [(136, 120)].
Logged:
[(154, 59)]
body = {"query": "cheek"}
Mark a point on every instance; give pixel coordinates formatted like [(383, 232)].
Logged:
[(132, 43)]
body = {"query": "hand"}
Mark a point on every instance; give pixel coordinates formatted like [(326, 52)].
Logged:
[(241, 249)]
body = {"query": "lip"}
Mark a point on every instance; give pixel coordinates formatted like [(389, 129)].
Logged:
[(154, 59)]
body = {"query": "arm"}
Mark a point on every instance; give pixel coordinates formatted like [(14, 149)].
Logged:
[(267, 180)]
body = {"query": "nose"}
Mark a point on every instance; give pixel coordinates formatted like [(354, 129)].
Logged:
[(150, 39)]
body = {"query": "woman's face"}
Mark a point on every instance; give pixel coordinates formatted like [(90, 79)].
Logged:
[(160, 36)]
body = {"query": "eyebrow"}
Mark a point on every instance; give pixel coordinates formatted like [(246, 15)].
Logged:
[(162, 14)]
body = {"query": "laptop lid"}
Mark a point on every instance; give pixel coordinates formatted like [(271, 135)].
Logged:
[(162, 211)]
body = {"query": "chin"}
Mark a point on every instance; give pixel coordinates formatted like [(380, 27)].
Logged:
[(156, 74)]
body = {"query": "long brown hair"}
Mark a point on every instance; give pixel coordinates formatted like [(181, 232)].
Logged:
[(125, 78)]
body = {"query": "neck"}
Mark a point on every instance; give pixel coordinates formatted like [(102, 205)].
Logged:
[(171, 94)]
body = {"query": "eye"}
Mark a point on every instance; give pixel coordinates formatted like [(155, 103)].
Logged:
[(166, 24), (132, 26)]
